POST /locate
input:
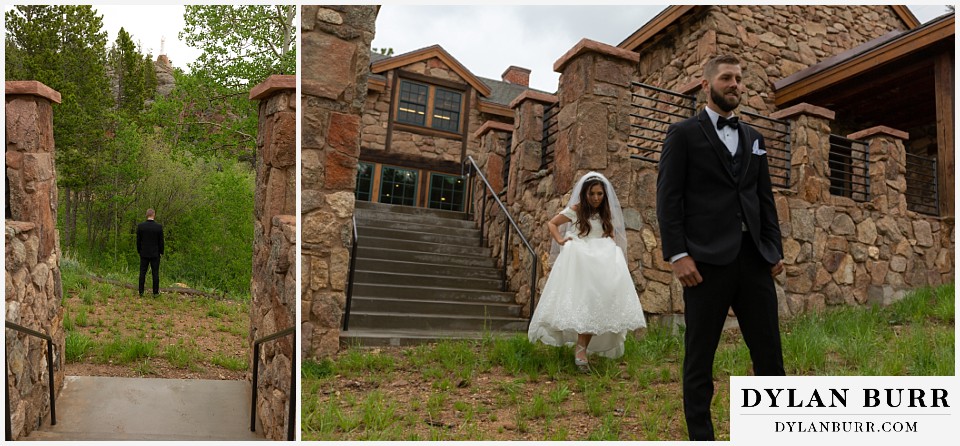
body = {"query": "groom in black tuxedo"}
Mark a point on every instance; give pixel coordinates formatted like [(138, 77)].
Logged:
[(150, 248), (719, 230)]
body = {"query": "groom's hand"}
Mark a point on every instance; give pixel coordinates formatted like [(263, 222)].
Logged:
[(686, 271), (776, 269)]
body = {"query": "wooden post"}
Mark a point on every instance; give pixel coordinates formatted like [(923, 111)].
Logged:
[(943, 85)]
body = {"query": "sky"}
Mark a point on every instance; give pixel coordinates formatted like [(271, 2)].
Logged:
[(486, 39)]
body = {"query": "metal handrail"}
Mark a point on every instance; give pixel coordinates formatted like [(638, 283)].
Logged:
[(293, 378), (353, 264), (506, 234), (6, 388)]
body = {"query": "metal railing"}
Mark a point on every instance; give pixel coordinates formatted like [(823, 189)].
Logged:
[(6, 384), (293, 379), (922, 189), (353, 265), (849, 168), (776, 136), (654, 110), (549, 139), (472, 170)]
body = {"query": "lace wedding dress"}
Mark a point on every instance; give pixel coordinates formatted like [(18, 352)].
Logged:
[(589, 290)]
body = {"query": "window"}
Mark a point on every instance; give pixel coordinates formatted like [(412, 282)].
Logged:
[(398, 186), (364, 181), (429, 106), (446, 192)]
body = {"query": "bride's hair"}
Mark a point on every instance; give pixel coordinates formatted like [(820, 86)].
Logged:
[(585, 211)]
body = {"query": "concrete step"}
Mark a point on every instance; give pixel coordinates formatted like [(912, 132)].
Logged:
[(458, 223), (438, 269), (444, 322), (378, 338), (426, 306), (431, 293), (430, 237), (105, 408), (410, 210), (417, 227), (425, 279), (365, 244)]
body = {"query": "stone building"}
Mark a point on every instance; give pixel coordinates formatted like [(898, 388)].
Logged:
[(847, 180)]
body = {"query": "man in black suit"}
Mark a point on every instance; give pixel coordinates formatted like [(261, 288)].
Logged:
[(720, 232), (150, 248)]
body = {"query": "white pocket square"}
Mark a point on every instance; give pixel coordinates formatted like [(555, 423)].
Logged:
[(756, 148)]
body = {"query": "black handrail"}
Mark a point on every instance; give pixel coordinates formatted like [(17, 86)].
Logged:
[(53, 399), (469, 169), (353, 263), (293, 378)]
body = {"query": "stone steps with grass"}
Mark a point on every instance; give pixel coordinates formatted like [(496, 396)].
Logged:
[(421, 275)]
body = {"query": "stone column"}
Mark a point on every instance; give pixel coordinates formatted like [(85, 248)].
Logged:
[(527, 151), (888, 167), (492, 136), (335, 64), (810, 150), (273, 288), (33, 289)]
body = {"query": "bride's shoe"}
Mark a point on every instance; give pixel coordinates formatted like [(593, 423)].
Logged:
[(581, 364)]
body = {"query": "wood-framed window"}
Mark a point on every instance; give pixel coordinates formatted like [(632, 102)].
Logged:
[(431, 106), (409, 186)]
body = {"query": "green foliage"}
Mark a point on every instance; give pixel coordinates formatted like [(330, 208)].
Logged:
[(77, 345), (229, 362), (126, 350), (315, 370), (134, 74), (184, 355)]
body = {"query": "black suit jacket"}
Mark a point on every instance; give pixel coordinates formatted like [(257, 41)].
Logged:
[(701, 204), (150, 239)]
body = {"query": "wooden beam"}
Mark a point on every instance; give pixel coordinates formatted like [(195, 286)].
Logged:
[(944, 84), (653, 27), (491, 108), (906, 15)]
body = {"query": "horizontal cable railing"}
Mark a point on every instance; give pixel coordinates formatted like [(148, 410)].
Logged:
[(654, 109), (549, 140), (849, 162), (776, 137), (293, 379), (922, 191), (52, 390)]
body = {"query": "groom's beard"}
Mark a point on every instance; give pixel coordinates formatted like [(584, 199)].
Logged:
[(725, 104)]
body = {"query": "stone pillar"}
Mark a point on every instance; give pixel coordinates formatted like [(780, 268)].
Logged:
[(594, 118), (810, 150), (335, 48), (273, 287), (493, 136), (888, 167), (527, 151), (33, 288)]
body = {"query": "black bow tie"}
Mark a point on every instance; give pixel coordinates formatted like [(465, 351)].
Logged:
[(733, 122)]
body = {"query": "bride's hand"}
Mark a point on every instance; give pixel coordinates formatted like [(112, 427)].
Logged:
[(564, 241)]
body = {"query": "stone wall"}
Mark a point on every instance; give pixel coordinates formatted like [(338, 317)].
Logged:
[(376, 116), (772, 41), (335, 45), (273, 287), (837, 251), (33, 288)]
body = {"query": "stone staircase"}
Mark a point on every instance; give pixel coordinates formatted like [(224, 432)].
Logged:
[(421, 276), (96, 408)]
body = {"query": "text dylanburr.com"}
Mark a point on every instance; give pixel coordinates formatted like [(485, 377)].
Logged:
[(833, 409)]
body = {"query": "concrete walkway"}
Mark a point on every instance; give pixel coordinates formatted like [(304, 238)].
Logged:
[(103, 408)]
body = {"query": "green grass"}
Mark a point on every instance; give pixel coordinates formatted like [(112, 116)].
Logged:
[(508, 388), (77, 346), (185, 355), (126, 350), (229, 362)]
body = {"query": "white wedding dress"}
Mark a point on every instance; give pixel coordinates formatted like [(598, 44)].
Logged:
[(589, 290)]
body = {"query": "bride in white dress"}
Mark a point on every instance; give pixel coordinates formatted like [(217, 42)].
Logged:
[(589, 298)]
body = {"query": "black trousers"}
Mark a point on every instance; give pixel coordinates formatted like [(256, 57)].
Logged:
[(747, 286), (154, 264)]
